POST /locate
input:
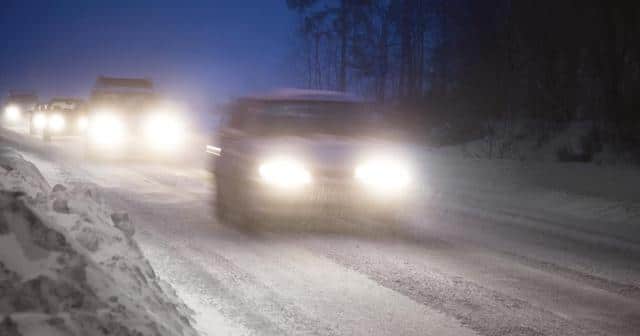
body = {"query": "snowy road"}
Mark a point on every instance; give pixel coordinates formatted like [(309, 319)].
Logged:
[(491, 265)]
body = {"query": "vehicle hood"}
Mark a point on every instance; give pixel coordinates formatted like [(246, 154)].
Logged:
[(321, 152)]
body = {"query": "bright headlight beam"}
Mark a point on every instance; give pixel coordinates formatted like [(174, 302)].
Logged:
[(284, 173), (57, 122), (163, 131), (383, 175), (106, 130), (82, 123), (12, 113), (40, 121)]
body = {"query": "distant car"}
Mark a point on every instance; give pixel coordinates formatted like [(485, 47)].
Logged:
[(61, 116), (18, 109), (127, 118), (298, 153)]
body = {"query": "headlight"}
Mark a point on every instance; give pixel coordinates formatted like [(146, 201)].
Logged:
[(82, 123), (106, 129), (284, 173), (12, 113), (40, 121), (383, 175), (56, 122), (164, 131)]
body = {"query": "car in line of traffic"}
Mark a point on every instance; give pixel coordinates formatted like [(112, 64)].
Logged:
[(18, 110), (303, 154), (123, 117), (127, 118), (61, 116), (57, 117)]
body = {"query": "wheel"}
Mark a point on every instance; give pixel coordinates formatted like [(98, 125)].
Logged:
[(231, 208), (220, 206)]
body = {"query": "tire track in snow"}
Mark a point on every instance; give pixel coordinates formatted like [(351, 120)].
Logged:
[(487, 311)]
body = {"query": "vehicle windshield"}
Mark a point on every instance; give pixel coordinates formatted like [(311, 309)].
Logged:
[(23, 99), (305, 118), (64, 104), (125, 100)]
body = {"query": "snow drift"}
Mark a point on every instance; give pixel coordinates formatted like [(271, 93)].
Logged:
[(70, 266)]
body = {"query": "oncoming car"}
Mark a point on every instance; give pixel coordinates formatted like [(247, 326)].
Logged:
[(307, 154), (61, 116), (127, 118), (18, 109)]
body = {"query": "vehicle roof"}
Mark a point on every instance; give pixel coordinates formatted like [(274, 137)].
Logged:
[(305, 95), (22, 96), (65, 99), (104, 82)]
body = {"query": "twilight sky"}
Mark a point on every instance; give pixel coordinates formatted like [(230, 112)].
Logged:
[(200, 51)]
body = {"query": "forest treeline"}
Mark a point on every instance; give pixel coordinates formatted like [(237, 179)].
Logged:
[(473, 63)]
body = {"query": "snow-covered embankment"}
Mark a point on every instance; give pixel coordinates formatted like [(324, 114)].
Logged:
[(70, 266)]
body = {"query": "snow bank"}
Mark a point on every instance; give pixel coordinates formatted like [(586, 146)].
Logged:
[(534, 142), (599, 201), (69, 265)]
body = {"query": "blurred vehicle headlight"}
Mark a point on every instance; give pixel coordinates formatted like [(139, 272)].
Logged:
[(56, 122), (106, 129), (12, 113), (164, 131), (284, 173), (40, 121), (82, 123), (384, 175)]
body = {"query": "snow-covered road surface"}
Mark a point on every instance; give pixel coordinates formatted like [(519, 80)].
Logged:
[(461, 268)]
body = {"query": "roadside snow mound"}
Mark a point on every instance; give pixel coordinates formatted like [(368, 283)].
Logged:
[(69, 265)]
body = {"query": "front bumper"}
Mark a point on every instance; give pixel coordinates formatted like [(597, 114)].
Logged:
[(132, 147), (327, 198)]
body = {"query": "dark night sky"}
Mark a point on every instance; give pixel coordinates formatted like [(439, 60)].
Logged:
[(200, 51)]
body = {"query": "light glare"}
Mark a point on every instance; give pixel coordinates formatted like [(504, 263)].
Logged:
[(12, 113), (164, 131), (82, 124), (57, 122), (106, 130), (39, 121), (284, 173), (383, 175)]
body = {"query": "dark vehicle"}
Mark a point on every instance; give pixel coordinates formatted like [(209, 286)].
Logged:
[(126, 117), (301, 153), (61, 116), (18, 109)]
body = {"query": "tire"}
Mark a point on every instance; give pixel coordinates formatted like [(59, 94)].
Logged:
[(220, 206), (228, 201)]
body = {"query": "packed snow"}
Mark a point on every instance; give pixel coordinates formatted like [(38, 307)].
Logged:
[(69, 265)]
